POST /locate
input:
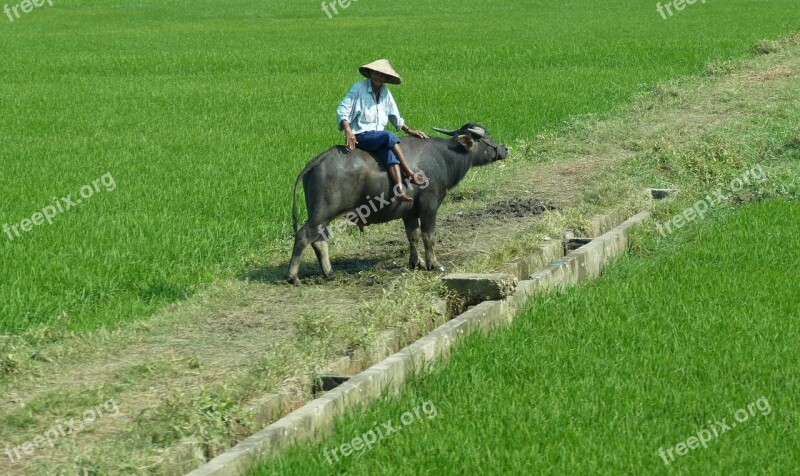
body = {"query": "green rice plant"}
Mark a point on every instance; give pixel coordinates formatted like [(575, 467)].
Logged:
[(204, 112)]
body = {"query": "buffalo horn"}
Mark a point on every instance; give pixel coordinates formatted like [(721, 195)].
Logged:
[(478, 131), (445, 131)]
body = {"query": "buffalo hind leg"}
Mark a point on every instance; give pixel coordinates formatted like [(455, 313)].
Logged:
[(413, 233), (304, 237), (428, 234), (321, 250)]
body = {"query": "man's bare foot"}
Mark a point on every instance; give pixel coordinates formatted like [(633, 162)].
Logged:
[(404, 198)]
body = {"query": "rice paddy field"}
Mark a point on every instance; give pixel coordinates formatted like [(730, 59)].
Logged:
[(180, 126), (680, 358)]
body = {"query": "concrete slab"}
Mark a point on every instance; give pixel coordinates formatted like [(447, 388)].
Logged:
[(524, 266), (475, 288)]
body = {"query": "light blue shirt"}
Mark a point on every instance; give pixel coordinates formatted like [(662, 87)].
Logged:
[(364, 113)]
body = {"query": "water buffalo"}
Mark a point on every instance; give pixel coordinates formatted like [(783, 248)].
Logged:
[(352, 183)]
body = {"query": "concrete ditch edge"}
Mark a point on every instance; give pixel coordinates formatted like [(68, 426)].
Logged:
[(316, 417)]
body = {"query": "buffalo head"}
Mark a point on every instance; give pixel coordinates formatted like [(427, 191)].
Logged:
[(477, 140)]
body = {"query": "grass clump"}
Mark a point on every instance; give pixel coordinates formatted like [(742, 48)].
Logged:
[(720, 67), (333, 332), (211, 415), (704, 163), (765, 47), (794, 142)]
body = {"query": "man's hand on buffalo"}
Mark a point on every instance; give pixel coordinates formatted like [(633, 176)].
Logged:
[(417, 133), (349, 137)]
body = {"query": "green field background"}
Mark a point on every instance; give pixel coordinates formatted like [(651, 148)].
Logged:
[(597, 379), (204, 113)]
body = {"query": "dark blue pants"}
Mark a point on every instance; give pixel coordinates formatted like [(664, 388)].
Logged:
[(380, 142)]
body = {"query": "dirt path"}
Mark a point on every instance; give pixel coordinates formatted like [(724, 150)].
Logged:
[(222, 333)]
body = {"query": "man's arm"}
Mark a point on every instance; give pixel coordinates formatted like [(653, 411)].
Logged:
[(346, 107), (349, 137), (398, 122), (414, 133), (343, 115)]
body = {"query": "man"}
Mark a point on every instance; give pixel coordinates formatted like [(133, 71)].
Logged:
[(363, 115)]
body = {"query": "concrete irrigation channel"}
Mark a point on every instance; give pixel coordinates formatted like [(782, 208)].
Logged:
[(495, 300)]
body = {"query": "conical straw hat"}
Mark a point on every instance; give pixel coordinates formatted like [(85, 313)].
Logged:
[(381, 66)]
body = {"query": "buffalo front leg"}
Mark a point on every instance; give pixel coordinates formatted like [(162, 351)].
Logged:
[(413, 233), (428, 234), (304, 236)]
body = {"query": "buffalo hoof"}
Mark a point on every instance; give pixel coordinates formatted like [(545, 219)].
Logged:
[(330, 275), (293, 280)]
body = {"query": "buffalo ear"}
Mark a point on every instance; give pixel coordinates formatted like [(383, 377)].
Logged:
[(465, 141)]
